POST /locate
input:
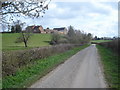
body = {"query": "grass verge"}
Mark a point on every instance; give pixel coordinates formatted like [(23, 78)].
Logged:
[(110, 65), (28, 75)]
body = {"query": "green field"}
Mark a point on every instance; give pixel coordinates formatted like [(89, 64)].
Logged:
[(110, 65), (36, 40), (99, 41)]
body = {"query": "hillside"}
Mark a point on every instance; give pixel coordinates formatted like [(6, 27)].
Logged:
[(36, 40)]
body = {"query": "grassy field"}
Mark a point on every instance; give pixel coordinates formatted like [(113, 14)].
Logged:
[(99, 41), (28, 75), (110, 64), (36, 40)]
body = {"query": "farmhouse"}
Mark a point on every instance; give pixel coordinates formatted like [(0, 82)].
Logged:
[(49, 30), (39, 29), (35, 29), (61, 30)]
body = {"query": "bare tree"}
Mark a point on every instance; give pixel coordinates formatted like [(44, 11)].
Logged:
[(17, 26), (77, 36), (71, 32), (24, 37), (31, 8), (71, 36)]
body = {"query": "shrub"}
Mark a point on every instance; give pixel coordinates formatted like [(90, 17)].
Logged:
[(55, 38)]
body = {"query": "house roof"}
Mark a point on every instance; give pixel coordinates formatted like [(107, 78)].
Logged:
[(59, 29), (36, 27)]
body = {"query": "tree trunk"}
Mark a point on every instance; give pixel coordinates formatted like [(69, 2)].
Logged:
[(25, 44), (24, 40)]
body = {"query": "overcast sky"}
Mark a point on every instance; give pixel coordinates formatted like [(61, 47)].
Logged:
[(98, 18)]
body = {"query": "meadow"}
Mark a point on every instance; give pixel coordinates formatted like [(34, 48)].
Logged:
[(36, 40), (99, 41)]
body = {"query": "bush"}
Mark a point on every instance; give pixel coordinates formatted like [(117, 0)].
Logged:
[(55, 38)]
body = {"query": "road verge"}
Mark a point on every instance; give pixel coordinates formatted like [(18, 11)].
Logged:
[(110, 65)]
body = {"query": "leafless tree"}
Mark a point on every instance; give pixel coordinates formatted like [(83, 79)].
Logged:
[(77, 36), (17, 26), (24, 34), (24, 37), (31, 8)]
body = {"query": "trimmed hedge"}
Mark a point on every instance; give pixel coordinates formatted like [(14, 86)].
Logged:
[(13, 60), (113, 45)]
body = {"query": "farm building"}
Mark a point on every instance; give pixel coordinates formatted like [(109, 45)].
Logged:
[(49, 30), (39, 29), (62, 30), (35, 29)]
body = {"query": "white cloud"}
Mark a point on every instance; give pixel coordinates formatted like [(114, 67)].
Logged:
[(85, 0), (97, 18), (94, 14), (52, 6), (103, 25), (100, 19)]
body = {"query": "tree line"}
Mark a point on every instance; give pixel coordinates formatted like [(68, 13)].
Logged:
[(73, 36)]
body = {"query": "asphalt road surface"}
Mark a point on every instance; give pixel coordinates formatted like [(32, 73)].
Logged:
[(83, 70)]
